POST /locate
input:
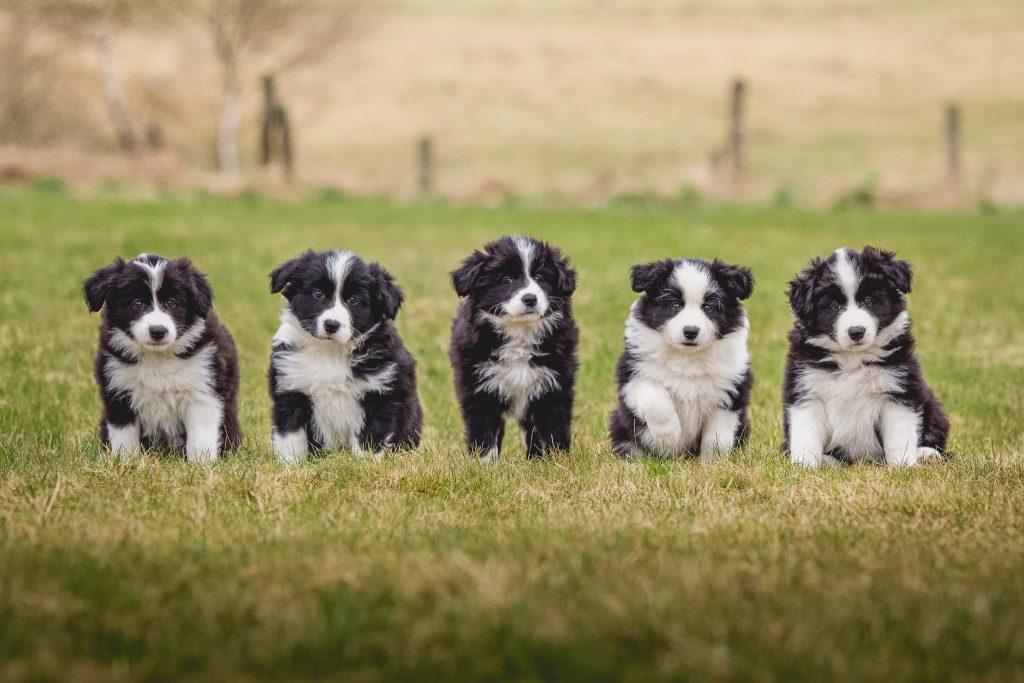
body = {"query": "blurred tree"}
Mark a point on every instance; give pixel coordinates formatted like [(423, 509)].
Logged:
[(92, 20), (274, 35)]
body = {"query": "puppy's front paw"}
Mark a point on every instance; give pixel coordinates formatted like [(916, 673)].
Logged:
[(926, 454)]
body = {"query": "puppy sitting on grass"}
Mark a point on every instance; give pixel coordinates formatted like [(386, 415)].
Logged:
[(684, 377), (167, 369), (340, 376)]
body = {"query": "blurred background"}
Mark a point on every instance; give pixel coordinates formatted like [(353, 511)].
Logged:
[(916, 103)]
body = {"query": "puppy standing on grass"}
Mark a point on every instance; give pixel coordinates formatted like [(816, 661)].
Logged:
[(684, 377), (513, 348), (340, 376), (853, 387), (167, 369)]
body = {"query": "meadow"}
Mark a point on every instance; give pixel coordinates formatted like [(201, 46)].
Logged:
[(429, 566)]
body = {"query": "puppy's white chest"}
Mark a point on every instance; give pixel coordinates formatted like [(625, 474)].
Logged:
[(696, 388), (162, 388), (513, 376), (326, 377), (853, 399)]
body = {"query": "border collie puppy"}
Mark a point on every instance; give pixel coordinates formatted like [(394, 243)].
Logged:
[(684, 377), (513, 348), (167, 369), (853, 387), (340, 376)]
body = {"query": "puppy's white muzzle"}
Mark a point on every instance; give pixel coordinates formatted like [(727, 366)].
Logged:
[(155, 329), (529, 303), (856, 328), (335, 323), (690, 329)]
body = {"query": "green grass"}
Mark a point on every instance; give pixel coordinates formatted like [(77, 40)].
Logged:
[(430, 566)]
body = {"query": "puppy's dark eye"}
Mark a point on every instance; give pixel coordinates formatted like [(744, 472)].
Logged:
[(836, 306), (707, 308), (867, 301), (137, 304), (676, 306), (507, 280), (170, 303), (353, 300), (318, 294)]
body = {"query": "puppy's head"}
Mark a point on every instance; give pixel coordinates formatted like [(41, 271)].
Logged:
[(154, 301), (851, 296), (691, 302), (335, 295), (516, 279)]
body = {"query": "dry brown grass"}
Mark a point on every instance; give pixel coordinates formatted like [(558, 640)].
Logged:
[(590, 99)]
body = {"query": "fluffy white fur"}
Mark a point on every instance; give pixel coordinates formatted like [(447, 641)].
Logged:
[(322, 370), (678, 391)]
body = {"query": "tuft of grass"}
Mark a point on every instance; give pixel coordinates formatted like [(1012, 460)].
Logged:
[(429, 566)]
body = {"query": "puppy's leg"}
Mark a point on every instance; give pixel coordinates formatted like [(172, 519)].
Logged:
[(202, 430), (548, 425), (484, 418), (807, 434), (719, 433), (900, 426), (120, 430), (291, 417), (653, 404), (383, 416)]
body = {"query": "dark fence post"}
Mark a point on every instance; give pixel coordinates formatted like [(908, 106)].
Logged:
[(425, 165), (955, 172), (736, 129), (275, 130)]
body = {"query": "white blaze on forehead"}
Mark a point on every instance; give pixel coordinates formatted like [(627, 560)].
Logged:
[(693, 281), (338, 265), (154, 271), (846, 272), (525, 246)]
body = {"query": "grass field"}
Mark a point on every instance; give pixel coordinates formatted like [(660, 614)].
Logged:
[(429, 566)]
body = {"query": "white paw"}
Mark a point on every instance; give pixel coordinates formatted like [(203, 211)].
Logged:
[(807, 458), (926, 454), (490, 457)]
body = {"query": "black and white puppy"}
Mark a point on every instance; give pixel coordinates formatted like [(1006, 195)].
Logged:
[(684, 377), (167, 369), (513, 348), (340, 376), (853, 387)]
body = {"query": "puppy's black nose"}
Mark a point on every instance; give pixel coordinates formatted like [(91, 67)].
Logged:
[(157, 332), (691, 332), (530, 299), (856, 333), (331, 326)]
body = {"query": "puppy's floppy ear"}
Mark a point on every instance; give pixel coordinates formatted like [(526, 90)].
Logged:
[(97, 287), (895, 270), (566, 275), (736, 281), (283, 275), (801, 289), (390, 292), (465, 277), (200, 286), (645, 277)]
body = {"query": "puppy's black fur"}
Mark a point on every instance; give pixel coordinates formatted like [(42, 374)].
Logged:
[(513, 347), (695, 378), (154, 389), (340, 376), (822, 356)]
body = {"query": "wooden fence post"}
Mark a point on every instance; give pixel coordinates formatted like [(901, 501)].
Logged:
[(736, 130), (275, 130), (954, 170), (425, 165)]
